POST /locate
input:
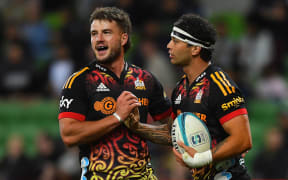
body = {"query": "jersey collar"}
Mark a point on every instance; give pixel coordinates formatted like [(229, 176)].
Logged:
[(199, 78), (101, 68)]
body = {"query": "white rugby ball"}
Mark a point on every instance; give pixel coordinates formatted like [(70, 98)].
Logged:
[(189, 129)]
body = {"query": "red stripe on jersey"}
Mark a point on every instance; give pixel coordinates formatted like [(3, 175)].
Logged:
[(163, 115), (233, 114), (73, 115), (173, 116)]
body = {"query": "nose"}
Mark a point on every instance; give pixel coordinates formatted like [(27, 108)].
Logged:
[(99, 37)]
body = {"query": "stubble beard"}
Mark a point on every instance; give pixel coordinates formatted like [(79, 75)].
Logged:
[(180, 63), (115, 53)]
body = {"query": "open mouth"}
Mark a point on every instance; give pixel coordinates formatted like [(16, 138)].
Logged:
[(101, 48)]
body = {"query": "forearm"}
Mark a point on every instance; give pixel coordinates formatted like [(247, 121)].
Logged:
[(159, 134), (74, 132), (225, 150), (230, 147)]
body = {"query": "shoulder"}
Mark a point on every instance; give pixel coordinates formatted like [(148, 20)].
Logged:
[(221, 80), (76, 77), (140, 71), (181, 81)]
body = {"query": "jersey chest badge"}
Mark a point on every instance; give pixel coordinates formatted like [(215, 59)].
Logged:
[(198, 96), (139, 84), (178, 99)]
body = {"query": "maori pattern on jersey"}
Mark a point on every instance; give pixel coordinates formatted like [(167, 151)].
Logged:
[(118, 155), (203, 86), (97, 77), (135, 74), (182, 89)]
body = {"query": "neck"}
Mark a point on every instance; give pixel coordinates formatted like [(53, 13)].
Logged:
[(194, 69), (116, 66)]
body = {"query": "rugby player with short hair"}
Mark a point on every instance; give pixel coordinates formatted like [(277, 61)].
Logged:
[(97, 100), (208, 92)]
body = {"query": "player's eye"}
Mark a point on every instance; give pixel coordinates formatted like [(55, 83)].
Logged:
[(107, 32), (175, 40), (93, 33)]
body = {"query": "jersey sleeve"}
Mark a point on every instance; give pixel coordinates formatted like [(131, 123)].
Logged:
[(159, 103), (73, 99), (226, 98)]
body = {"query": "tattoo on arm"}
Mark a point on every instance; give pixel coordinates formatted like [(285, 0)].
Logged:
[(156, 134), (159, 134)]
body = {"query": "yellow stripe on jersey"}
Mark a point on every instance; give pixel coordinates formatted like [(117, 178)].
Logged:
[(226, 80), (73, 77), (219, 84), (223, 82), (68, 80)]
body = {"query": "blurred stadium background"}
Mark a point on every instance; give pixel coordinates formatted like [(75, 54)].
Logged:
[(43, 41)]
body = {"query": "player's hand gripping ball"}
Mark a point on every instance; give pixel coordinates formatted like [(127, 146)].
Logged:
[(189, 129)]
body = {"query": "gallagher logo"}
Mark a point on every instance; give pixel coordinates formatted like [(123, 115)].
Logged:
[(106, 106)]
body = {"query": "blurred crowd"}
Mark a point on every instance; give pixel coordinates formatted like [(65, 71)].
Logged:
[(52, 161), (43, 41)]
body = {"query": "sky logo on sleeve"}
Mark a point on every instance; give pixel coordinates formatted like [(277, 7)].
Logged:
[(65, 102)]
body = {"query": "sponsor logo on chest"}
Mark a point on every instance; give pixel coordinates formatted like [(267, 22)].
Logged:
[(178, 99), (102, 88), (107, 105)]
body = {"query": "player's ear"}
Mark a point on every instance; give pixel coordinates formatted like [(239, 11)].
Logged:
[(195, 50), (124, 39)]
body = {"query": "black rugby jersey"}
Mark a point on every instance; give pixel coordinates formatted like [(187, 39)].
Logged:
[(90, 95), (214, 98)]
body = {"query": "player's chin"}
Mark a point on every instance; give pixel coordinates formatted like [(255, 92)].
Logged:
[(172, 60), (175, 62), (102, 59)]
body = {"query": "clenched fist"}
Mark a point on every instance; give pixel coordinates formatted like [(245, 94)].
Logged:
[(132, 121)]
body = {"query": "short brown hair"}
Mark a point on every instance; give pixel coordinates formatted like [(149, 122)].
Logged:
[(114, 14)]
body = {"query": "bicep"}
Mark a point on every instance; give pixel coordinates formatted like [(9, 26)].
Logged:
[(238, 126), (237, 141), (239, 132), (66, 126), (66, 130)]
